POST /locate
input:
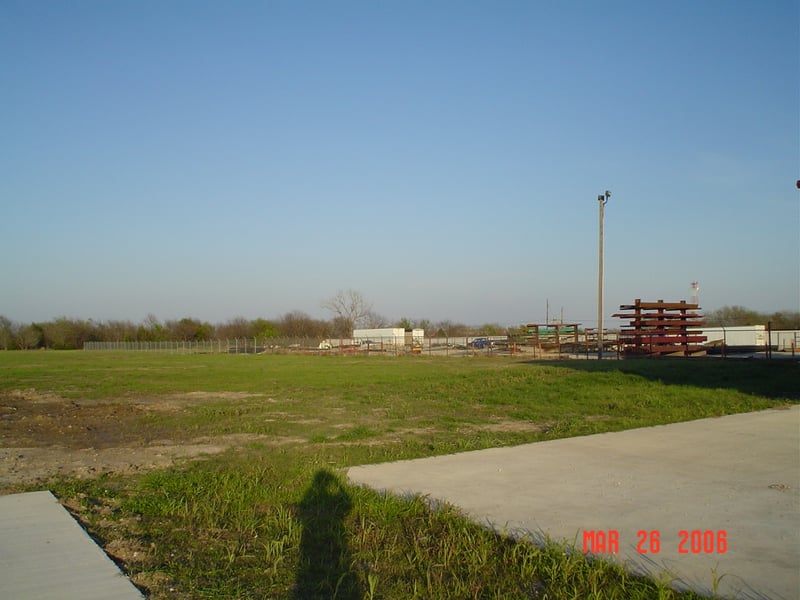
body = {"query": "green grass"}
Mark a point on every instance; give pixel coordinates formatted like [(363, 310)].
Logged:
[(277, 520)]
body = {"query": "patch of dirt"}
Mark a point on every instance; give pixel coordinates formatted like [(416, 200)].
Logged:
[(45, 435), (216, 396), (507, 426), (126, 550), (25, 465)]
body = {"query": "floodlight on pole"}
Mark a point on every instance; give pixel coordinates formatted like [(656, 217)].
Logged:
[(602, 199)]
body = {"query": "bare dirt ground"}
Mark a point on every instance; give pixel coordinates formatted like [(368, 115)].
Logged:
[(44, 435)]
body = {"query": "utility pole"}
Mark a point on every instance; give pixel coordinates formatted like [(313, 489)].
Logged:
[(601, 200)]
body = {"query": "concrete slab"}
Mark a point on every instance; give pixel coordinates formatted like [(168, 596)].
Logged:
[(45, 554), (737, 477)]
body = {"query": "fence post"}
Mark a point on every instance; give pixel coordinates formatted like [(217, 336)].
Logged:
[(769, 339)]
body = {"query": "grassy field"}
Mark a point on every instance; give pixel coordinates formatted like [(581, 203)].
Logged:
[(273, 517)]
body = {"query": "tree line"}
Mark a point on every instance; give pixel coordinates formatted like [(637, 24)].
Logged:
[(68, 333), (732, 316), (349, 311)]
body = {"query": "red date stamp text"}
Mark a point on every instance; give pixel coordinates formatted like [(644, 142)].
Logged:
[(648, 541)]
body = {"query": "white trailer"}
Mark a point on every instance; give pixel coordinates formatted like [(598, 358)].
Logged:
[(385, 336), (389, 337), (747, 338)]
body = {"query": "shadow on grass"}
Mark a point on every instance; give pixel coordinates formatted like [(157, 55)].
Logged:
[(775, 379), (325, 562)]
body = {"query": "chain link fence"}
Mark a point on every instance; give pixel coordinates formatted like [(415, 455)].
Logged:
[(457, 346), (435, 346), (721, 341)]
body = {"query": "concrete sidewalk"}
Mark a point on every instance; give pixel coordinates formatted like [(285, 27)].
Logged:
[(45, 554), (737, 477)]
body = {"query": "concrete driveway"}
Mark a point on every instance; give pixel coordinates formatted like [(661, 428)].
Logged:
[(46, 555), (707, 503)]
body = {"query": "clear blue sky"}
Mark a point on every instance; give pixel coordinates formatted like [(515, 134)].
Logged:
[(224, 159)]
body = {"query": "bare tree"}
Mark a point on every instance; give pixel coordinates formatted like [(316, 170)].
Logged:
[(373, 320), (238, 327), (298, 324), (30, 336), (448, 328), (350, 310), (6, 332), (188, 329), (152, 329)]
